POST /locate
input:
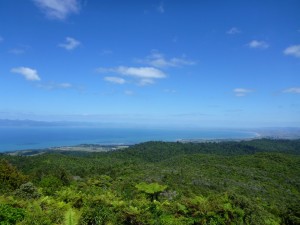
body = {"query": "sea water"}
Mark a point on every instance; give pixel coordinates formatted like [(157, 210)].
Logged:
[(21, 138)]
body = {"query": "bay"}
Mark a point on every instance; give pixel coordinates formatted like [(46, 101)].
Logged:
[(21, 138)]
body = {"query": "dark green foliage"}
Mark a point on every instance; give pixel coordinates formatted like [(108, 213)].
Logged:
[(10, 215), (10, 177), (97, 215), (27, 191), (50, 184), (152, 189), (248, 182), (158, 151)]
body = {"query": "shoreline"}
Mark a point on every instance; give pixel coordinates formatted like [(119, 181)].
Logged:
[(96, 148), (76, 148)]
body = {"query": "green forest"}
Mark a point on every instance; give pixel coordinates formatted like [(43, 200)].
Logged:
[(246, 182)]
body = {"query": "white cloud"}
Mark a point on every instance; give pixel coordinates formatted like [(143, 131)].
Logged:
[(70, 44), (161, 8), (241, 92), (158, 60), (27, 73), (294, 90), (141, 72), (293, 50), (58, 9), (233, 30), (258, 44), (116, 80), (145, 75)]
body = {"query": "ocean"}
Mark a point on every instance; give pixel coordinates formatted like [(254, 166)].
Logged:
[(21, 138)]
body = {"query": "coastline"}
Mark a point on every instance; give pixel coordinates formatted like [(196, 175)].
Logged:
[(90, 148), (96, 148), (18, 139), (110, 140), (217, 140)]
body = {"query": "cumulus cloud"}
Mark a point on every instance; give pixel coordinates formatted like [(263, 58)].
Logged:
[(233, 30), (27, 73), (145, 75), (293, 50), (156, 59), (70, 44), (294, 90), (116, 80), (141, 72), (241, 92), (258, 44), (58, 9)]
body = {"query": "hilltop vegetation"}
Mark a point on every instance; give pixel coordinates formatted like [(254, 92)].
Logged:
[(249, 182)]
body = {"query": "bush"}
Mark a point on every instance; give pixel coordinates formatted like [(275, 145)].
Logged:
[(27, 191), (10, 215)]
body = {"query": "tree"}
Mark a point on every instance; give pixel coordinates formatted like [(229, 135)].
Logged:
[(27, 191), (10, 177), (152, 190)]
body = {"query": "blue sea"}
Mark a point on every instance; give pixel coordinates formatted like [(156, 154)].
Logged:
[(15, 138)]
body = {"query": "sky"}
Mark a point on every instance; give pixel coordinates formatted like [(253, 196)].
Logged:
[(205, 63)]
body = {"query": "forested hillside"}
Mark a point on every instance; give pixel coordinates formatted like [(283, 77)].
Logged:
[(248, 182)]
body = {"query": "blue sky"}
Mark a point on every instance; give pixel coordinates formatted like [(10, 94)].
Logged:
[(206, 63)]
